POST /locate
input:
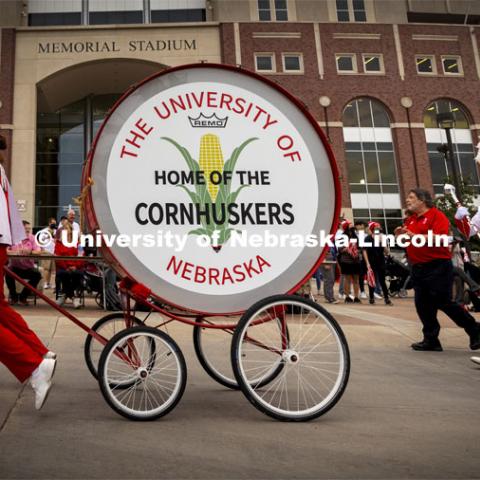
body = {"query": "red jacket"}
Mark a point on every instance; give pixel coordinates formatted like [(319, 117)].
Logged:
[(436, 221), (62, 251)]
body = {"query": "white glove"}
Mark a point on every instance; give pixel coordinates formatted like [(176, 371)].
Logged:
[(461, 213)]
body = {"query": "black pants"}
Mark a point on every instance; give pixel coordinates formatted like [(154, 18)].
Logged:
[(68, 282), (432, 283), (33, 276), (379, 271)]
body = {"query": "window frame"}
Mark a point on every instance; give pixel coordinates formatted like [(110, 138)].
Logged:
[(459, 63), (354, 64), (301, 70), (434, 64), (265, 54), (351, 13), (273, 11), (375, 72)]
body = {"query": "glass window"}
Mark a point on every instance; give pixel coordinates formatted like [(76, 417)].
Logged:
[(356, 173), (373, 63), (343, 14), (178, 15), (425, 64), (371, 164), (346, 63), (463, 153), (452, 65), (350, 116), (47, 12), (60, 155), (264, 12), (292, 63), (265, 62), (359, 13), (281, 10)]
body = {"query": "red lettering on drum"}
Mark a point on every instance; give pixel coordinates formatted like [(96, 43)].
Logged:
[(218, 276), (135, 136)]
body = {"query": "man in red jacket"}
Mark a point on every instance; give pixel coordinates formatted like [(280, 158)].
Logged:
[(432, 274)]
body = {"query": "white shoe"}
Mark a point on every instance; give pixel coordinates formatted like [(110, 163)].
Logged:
[(342, 296), (50, 355), (76, 303), (363, 295), (61, 300), (475, 360), (46, 286), (41, 381), (377, 296)]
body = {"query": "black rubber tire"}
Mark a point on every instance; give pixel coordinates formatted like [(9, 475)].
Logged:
[(96, 327), (197, 343), (235, 356), (102, 364)]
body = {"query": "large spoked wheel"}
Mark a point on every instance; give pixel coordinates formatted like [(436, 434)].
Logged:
[(213, 345), (156, 377), (107, 327), (314, 357)]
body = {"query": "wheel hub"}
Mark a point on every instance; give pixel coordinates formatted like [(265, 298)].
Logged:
[(290, 356), (142, 372)]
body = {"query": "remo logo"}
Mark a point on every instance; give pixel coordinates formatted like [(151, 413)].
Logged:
[(212, 155)]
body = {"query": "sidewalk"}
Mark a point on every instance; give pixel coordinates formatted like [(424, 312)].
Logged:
[(404, 414)]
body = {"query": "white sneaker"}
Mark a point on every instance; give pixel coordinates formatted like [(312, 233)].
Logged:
[(363, 295), (41, 381), (46, 286), (51, 355), (475, 360), (76, 303), (61, 300), (377, 296), (342, 296)]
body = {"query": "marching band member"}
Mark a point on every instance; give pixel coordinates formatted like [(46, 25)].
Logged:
[(21, 351)]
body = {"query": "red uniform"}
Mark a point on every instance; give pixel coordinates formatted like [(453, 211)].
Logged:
[(436, 221), (21, 351)]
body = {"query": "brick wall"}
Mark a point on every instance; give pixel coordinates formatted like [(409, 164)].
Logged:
[(7, 67)]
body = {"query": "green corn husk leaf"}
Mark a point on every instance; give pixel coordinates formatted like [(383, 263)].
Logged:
[(194, 197), (232, 161), (192, 165), (232, 197), (198, 231)]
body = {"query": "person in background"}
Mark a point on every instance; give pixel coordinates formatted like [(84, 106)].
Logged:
[(23, 267), (432, 273), (317, 275), (349, 260), (21, 351), (375, 260), (360, 227), (69, 273), (344, 223), (48, 247), (328, 274), (71, 218)]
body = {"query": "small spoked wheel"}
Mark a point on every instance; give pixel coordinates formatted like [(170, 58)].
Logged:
[(311, 358), (213, 345), (142, 373), (107, 327)]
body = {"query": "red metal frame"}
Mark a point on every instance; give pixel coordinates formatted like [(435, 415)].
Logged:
[(229, 327)]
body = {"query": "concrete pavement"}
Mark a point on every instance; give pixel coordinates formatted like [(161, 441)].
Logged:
[(405, 414)]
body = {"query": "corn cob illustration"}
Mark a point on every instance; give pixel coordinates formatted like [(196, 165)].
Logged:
[(211, 159)]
